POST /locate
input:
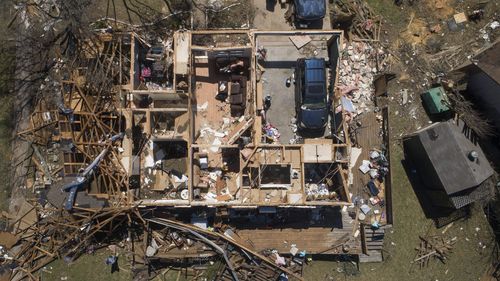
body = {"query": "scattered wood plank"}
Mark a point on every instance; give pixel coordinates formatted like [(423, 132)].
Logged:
[(436, 247)]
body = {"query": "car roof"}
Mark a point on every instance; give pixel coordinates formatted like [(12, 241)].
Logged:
[(314, 71), (310, 8)]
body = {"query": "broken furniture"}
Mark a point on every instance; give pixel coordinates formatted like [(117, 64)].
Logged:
[(229, 64)]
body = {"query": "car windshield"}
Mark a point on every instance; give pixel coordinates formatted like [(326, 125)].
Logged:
[(310, 8), (314, 98), (314, 102)]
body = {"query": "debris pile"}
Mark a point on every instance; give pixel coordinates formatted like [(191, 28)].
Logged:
[(145, 240), (358, 17), (377, 166), (357, 70), (272, 133), (42, 234), (169, 239), (436, 247), (315, 192)]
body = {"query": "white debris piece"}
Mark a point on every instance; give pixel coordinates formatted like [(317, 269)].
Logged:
[(365, 167), (355, 153), (219, 134), (215, 145), (294, 250), (202, 107), (184, 178), (404, 96), (359, 61)]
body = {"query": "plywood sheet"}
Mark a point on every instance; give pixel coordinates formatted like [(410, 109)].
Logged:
[(317, 153), (300, 40), (181, 53)]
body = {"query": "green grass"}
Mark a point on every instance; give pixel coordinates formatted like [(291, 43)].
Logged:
[(93, 267), (467, 262), (390, 12), (5, 110), (5, 149), (87, 267)]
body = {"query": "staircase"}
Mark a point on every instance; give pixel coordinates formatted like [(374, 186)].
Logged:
[(374, 243)]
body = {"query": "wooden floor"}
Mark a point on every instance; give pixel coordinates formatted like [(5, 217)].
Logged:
[(368, 137), (320, 239), (206, 90)]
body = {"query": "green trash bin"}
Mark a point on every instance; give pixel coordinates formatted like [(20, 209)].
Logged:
[(436, 102)]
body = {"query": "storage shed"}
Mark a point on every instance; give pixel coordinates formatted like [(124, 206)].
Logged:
[(450, 166)]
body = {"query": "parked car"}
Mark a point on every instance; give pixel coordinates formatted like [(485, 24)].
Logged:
[(309, 11), (311, 95)]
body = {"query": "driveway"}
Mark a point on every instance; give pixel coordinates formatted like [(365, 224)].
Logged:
[(270, 15)]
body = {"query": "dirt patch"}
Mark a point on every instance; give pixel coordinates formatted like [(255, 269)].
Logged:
[(223, 14), (417, 31), (440, 9)]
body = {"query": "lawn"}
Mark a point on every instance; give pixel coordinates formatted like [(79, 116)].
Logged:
[(87, 267), (93, 267), (5, 111), (468, 261), (390, 12)]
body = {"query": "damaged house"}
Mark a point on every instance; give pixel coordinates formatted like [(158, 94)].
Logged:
[(203, 126)]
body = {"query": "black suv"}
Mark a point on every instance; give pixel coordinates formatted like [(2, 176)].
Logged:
[(308, 12), (311, 96)]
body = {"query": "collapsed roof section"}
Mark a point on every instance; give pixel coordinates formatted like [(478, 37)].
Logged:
[(75, 117)]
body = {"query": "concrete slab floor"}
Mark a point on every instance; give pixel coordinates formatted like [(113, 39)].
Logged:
[(280, 64), (282, 108), (282, 53)]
